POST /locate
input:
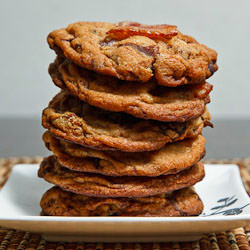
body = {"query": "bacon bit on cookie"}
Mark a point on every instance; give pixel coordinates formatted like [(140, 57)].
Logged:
[(156, 32)]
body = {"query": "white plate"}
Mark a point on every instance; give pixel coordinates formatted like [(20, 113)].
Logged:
[(221, 188)]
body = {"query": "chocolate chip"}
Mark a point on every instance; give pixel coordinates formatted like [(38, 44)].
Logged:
[(96, 162), (78, 48), (211, 68), (147, 50)]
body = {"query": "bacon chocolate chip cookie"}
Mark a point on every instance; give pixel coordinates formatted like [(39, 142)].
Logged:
[(185, 202), (136, 52), (170, 159), (69, 118), (143, 100), (125, 186)]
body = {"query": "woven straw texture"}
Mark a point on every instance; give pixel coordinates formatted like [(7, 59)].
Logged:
[(233, 240)]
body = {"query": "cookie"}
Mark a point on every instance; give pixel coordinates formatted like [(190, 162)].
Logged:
[(135, 52), (171, 159), (125, 186), (71, 119), (185, 202), (143, 100)]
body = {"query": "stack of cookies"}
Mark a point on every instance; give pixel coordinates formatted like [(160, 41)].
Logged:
[(125, 130)]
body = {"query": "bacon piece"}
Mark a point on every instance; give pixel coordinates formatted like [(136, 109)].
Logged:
[(156, 32)]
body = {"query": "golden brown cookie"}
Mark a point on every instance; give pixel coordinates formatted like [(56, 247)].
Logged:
[(135, 52), (143, 100), (125, 186), (71, 119), (171, 159), (184, 202)]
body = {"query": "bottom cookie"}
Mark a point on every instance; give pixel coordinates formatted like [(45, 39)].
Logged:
[(184, 202)]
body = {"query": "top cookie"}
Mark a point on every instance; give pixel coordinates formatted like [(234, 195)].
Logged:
[(136, 52)]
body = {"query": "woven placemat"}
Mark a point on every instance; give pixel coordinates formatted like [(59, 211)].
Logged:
[(234, 239)]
